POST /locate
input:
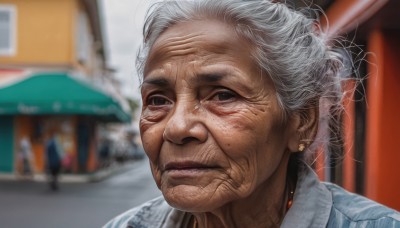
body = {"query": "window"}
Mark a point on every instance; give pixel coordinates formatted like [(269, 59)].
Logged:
[(7, 29), (83, 38)]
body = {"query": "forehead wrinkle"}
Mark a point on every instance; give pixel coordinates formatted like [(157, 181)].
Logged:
[(197, 47), (172, 47), (194, 43), (176, 40), (172, 44)]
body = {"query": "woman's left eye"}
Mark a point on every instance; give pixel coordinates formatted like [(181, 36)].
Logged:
[(224, 95)]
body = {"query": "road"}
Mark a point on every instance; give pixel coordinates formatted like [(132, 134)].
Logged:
[(31, 204)]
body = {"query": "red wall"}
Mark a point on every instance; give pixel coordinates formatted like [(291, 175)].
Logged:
[(383, 124)]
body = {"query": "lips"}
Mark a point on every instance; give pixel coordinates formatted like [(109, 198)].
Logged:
[(187, 166)]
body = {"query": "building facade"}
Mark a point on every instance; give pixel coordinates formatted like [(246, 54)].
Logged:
[(52, 66)]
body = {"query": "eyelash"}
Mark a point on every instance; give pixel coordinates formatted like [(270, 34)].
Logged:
[(151, 99), (231, 95)]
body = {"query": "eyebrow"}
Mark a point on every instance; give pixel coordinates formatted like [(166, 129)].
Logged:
[(204, 78), (160, 82), (220, 76), (210, 78)]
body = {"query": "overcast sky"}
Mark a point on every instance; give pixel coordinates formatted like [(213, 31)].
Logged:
[(123, 21)]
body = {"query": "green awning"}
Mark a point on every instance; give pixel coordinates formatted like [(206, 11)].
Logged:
[(59, 93)]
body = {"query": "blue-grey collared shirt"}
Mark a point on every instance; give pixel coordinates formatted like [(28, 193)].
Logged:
[(315, 204)]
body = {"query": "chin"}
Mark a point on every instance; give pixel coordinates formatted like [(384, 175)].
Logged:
[(190, 198)]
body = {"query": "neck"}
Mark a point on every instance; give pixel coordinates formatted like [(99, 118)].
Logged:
[(265, 207)]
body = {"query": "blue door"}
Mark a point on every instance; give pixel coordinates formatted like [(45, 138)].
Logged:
[(83, 145), (6, 144)]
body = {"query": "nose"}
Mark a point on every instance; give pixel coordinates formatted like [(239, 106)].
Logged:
[(185, 125)]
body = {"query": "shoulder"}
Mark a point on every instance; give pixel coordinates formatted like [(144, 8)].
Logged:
[(349, 208), (149, 214)]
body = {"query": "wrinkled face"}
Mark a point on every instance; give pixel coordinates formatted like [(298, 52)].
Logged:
[(210, 125)]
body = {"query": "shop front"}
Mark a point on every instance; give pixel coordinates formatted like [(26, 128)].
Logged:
[(42, 104)]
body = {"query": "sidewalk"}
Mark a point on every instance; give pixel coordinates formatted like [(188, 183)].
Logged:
[(76, 178), (33, 204)]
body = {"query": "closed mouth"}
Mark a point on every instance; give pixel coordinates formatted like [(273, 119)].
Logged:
[(187, 166)]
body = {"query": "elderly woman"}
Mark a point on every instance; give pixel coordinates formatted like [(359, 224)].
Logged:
[(231, 92)]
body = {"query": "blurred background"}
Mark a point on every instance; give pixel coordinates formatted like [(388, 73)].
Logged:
[(67, 71)]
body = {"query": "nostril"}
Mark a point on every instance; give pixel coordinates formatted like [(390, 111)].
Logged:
[(188, 140), (183, 132)]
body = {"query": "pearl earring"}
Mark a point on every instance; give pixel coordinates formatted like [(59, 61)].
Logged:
[(301, 147)]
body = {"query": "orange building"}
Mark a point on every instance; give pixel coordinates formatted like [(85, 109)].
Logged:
[(52, 77), (368, 161)]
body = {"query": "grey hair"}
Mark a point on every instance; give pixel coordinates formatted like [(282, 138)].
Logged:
[(289, 47)]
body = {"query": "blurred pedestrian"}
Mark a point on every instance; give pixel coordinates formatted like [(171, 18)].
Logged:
[(104, 152), (25, 157), (54, 155)]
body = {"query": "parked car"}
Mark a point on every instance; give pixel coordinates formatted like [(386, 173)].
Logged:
[(120, 151), (124, 151)]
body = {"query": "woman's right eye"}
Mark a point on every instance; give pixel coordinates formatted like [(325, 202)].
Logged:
[(158, 101)]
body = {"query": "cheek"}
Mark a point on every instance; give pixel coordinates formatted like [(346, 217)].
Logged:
[(237, 134), (151, 134), (251, 141), (237, 138)]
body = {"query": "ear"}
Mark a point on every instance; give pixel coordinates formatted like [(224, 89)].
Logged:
[(303, 127)]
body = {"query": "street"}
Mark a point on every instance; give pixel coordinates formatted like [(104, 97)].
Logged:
[(31, 204)]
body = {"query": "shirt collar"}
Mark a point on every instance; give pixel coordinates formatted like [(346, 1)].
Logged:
[(312, 202)]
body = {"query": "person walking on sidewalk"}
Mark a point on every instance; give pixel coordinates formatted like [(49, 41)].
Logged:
[(54, 156), (25, 158)]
